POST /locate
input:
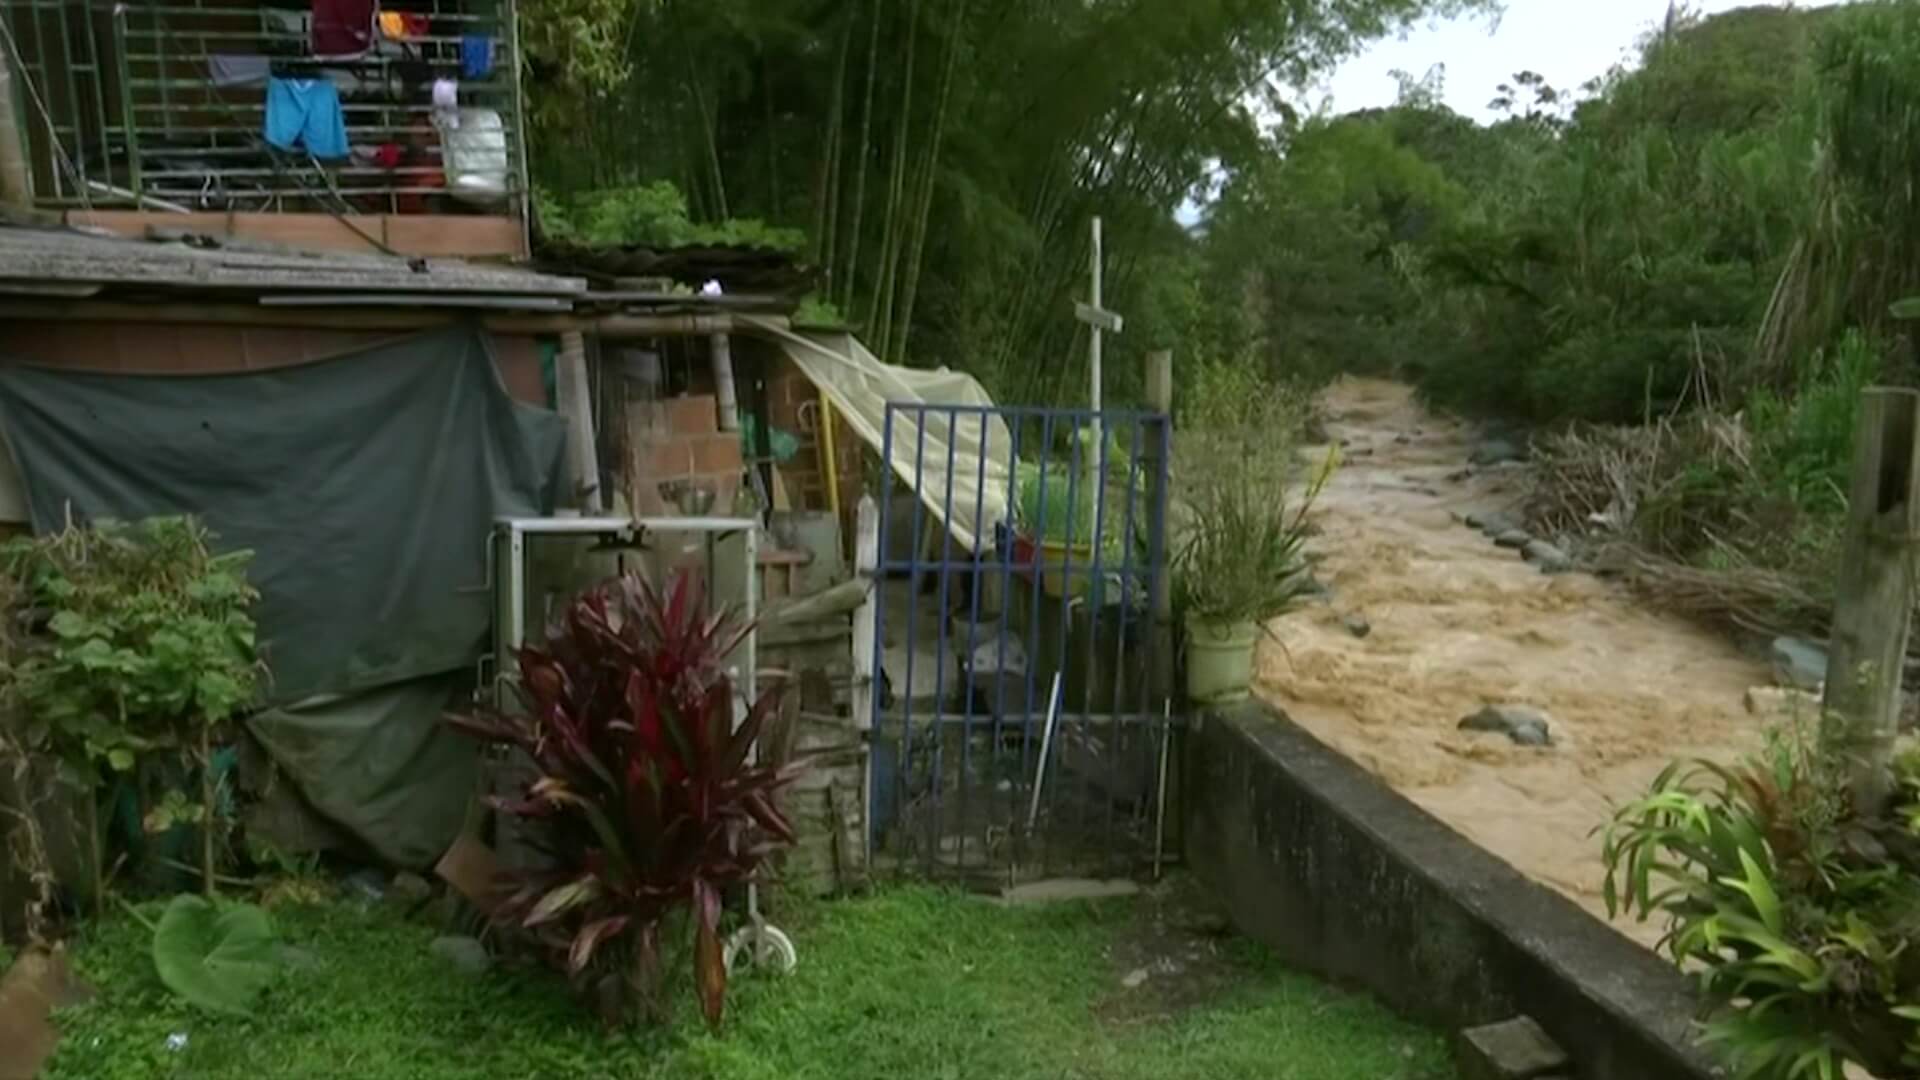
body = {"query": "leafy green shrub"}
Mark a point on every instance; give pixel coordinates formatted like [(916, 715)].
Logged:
[(1800, 914), (1805, 443), (651, 215), (140, 644), (645, 799), (142, 638)]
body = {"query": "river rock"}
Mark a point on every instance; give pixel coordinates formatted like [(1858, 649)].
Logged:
[(1524, 725), (1514, 538), (1496, 452), (1799, 664), (1357, 625), (1550, 559), (464, 955), (1494, 523)]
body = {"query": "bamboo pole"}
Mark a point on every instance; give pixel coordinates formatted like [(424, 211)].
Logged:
[(1874, 595), (576, 404), (862, 150), (16, 179)]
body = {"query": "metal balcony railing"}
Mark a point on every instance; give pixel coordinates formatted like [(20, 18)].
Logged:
[(164, 105)]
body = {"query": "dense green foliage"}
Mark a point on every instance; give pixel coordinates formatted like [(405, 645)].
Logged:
[(913, 982), (143, 636), (1800, 915), (942, 157), (1602, 265)]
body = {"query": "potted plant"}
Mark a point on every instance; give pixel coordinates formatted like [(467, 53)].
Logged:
[(1241, 563)]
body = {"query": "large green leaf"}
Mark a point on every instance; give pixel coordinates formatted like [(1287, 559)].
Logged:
[(218, 957)]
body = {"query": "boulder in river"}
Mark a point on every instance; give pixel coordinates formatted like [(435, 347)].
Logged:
[(1799, 664), (1524, 725), (1492, 522), (1550, 559), (1496, 452)]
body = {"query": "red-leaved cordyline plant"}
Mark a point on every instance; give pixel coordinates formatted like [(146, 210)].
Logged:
[(643, 797)]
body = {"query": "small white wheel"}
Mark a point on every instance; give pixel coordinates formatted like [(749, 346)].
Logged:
[(763, 947)]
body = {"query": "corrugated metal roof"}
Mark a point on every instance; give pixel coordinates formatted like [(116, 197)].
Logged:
[(73, 262)]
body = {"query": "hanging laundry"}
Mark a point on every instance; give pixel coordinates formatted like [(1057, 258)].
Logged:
[(446, 104), (403, 25), (476, 56), (236, 70), (306, 112), (342, 27)]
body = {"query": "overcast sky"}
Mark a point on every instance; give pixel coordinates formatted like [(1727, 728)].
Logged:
[(1568, 41)]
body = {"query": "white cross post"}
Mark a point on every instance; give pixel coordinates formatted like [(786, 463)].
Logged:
[(1100, 320)]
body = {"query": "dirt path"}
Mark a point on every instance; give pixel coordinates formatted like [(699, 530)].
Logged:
[(1457, 624)]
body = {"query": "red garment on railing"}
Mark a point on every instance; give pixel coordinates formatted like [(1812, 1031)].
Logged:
[(341, 27)]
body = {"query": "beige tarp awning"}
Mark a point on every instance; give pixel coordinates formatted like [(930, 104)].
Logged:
[(974, 498)]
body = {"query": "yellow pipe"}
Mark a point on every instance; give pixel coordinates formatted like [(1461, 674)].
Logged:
[(831, 466)]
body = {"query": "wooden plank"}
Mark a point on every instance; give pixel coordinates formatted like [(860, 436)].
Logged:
[(841, 599), (1874, 594), (1098, 318), (445, 235)]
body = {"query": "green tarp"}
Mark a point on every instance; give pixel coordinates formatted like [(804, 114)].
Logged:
[(366, 486)]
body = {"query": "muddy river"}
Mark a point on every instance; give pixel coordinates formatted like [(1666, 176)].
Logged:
[(1457, 624)]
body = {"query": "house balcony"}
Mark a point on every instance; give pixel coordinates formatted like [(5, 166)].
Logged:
[(389, 125)]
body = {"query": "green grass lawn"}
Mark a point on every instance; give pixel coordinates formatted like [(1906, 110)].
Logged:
[(909, 983)]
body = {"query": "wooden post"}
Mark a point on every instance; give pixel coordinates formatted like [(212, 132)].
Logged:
[(576, 404), (1874, 594), (723, 385), (866, 568)]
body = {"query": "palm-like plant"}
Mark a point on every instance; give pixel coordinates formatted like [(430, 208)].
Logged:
[(1801, 918), (645, 797)]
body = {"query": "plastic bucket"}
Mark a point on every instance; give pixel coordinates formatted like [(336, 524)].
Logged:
[(1219, 661)]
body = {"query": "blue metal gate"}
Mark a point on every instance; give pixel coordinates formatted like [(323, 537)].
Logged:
[(1020, 723)]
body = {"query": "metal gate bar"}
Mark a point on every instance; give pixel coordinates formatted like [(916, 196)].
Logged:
[(1055, 569)]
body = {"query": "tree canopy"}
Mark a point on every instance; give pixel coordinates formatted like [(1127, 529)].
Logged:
[(942, 157)]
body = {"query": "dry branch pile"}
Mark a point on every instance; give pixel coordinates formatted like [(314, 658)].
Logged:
[(1671, 509)]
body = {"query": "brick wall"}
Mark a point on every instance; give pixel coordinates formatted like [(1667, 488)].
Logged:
[(794, 404), (680, 439)]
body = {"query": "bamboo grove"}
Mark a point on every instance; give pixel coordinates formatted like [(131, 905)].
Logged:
[(941, 157)]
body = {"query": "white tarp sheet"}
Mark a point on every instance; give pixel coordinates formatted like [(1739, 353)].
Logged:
[(974, 498)]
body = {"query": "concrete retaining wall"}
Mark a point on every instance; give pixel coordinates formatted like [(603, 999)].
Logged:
[(1347, 879)]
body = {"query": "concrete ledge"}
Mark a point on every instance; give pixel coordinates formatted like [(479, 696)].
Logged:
[(1347, 879)]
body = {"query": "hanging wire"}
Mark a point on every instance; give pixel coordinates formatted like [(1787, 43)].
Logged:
[(19, 65)]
